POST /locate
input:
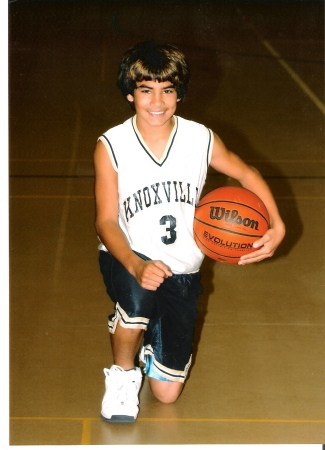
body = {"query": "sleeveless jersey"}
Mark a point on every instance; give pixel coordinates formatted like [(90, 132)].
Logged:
[(157, 197)]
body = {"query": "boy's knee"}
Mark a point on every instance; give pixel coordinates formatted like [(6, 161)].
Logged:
[(164, 391), (166, 398)]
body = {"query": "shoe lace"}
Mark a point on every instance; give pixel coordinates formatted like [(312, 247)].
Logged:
[(127, 392), (121, 389)]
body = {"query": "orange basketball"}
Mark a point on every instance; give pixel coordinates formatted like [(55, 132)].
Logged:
[(227, 222)]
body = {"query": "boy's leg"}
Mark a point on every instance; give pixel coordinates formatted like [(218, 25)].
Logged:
[(168, 339), (125, 343), (123, 379), (165, 391), (134, 306)]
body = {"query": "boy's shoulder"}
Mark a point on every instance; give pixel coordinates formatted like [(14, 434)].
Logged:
[(189, 123), (119, 129), (191, 128)]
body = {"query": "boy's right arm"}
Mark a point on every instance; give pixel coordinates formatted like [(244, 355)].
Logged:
[(149, 274)]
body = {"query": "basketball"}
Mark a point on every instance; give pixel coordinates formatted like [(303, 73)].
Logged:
[(227, 222)]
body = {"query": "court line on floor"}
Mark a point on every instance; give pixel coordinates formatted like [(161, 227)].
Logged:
[(91, 197), (296, 78), (67, 197), (52, 160), (53, 197), (58, 177), (87, 422), (86, 432), (174, 419), (220, 420)]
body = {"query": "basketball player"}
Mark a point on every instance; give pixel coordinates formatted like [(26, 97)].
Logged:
[(149, 173)]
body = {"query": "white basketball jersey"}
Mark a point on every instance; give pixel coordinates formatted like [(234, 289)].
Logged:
[(157, 197)]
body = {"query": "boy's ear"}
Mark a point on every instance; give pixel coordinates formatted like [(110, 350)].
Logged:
[(130, 98)]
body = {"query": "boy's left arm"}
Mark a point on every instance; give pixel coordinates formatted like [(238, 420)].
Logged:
[(228, 163)]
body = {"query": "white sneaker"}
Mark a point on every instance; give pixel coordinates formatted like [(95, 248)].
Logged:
[(120, 402)]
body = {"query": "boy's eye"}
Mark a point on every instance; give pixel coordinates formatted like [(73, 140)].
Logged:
[(149, 91)]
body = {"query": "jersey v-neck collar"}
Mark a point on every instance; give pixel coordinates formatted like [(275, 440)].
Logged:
[(158, 161)]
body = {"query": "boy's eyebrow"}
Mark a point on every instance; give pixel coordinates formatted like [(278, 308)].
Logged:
[(148, 87)]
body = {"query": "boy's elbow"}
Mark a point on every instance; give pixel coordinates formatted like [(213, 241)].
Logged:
[(102, 224), (255, 171), (96, 227), (99, 225)]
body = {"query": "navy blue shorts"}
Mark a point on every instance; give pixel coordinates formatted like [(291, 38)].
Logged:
[(167, 315)]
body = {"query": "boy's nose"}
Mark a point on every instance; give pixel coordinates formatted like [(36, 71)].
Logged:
[(156, 99)]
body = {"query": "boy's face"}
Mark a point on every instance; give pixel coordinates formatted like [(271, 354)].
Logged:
[(154, 102)]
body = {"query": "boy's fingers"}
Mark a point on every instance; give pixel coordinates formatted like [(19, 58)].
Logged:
[(164, 268)]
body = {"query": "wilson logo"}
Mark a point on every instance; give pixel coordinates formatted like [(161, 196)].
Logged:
[(217, 213)]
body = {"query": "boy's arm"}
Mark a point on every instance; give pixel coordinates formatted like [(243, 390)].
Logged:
[(226, 162), (149, 274)]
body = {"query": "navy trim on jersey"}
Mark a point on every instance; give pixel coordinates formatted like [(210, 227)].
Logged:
[(144, 148), (113, 154), (208, 152)]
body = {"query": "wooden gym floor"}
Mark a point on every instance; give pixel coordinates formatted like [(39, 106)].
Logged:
[(258, 81)]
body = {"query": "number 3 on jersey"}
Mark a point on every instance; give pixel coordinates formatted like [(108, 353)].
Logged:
[(170, 236)]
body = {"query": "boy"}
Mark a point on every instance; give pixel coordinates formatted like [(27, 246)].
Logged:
[(149, 174)]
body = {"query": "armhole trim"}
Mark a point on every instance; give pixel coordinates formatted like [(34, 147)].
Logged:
[(110, 151), (210, 146)]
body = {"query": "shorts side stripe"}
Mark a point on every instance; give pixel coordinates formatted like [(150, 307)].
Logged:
[(169, 374), (126, 321)]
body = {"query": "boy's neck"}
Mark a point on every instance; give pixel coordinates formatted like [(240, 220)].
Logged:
[(155, 137), (152, 132)]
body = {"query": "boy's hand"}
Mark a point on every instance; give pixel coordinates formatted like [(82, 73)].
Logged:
[(266, 246), (150, 274)]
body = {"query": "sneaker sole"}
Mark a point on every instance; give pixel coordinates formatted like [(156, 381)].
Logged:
[(121, 419)]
